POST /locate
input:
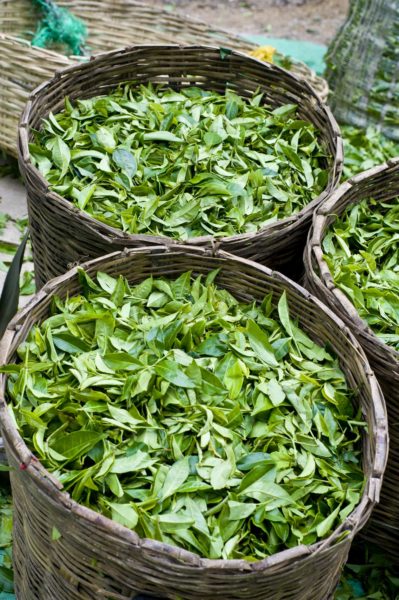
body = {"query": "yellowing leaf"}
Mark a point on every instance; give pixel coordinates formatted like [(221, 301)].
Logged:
[(265, 53)]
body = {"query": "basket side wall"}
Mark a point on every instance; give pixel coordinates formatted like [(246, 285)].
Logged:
[(95, 557), (380, 183)]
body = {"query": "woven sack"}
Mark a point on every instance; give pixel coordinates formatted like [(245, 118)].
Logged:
[(362, 67), (62, 234), (112, 24), (380, 183), (98, 558)]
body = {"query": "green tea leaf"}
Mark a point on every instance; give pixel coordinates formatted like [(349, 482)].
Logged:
[(105, 138), (260, 344), (284, 314), (125, 161), (69, 343), (124, 514), (221, 473), (177, 475), (162, 136), (234, 379), (136, 462), (276, 393), (240, 510), (55, 534), (72, 445), (325, 526), (84, 195), (61, 155), (170, 371)]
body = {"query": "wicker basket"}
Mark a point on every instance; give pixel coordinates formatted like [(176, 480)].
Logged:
[(112, 24), (62, 234), (380, 183), (97, 558)]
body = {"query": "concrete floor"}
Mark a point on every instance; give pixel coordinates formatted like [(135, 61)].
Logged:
[(13, 203)]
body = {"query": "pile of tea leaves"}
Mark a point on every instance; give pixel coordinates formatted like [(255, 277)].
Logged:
[(190, 417), (362, 252), (183, 164), (369, 573), (364, 149)]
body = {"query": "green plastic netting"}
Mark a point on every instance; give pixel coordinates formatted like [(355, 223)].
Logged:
[(363, 67), (59, 26)]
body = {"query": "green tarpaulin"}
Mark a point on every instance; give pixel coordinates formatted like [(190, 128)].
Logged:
[(307, 52)]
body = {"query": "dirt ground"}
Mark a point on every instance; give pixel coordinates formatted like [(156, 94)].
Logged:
[(312, 20)]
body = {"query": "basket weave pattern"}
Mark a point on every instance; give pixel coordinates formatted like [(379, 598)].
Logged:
[(62, 234), (380, 183), (112, 24), (98, 558)]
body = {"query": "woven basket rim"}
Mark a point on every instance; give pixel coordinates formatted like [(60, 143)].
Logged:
[(48, 483), (43, 52), (182, 17), (310, 73), (334, 168), (315, 241)]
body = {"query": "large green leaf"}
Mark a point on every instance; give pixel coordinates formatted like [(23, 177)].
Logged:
[(171, 371), (72, 445), (260, 344), (10, 294)]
